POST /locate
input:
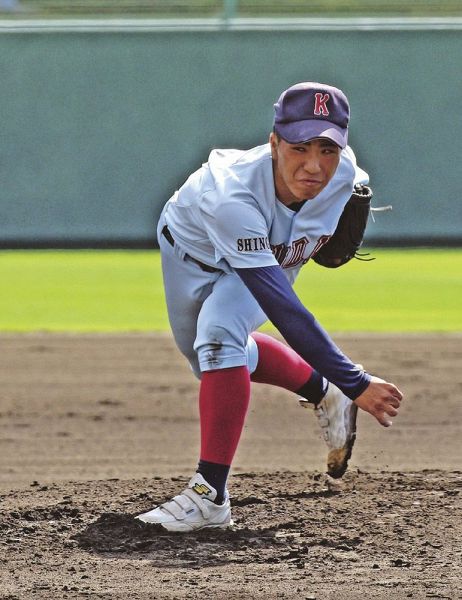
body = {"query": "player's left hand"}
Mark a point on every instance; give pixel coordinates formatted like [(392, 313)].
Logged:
[(380, 399)]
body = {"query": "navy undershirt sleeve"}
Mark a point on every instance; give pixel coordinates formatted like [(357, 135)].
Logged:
[(303, 333)]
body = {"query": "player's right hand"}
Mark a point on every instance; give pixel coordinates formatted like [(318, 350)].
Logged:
[(380, 399)]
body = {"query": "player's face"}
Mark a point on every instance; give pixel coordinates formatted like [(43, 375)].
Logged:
[(301, 171)]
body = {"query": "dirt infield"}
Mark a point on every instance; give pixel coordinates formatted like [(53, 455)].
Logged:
[(94, 429)]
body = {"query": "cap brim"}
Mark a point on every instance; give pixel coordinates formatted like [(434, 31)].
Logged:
[(298, 132)]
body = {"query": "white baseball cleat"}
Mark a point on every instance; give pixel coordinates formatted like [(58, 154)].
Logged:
[(191, 510), (336, 415)]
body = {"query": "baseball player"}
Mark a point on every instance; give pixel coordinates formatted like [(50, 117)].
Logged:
[(233, 240)]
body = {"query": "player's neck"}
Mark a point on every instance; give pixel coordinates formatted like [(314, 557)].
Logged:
[(296, 206)]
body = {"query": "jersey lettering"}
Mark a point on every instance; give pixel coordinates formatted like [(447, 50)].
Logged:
[(291, 256), (253, 244), (320, 107), (322, 240), (280, 252), (287, 256), (296, 253)]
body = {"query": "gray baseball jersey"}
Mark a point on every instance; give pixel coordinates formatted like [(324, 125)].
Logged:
[(227, 216)]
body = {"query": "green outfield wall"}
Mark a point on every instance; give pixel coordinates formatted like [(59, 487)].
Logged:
[(101, 123)]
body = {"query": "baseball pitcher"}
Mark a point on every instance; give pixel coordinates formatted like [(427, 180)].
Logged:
[(233, 240)]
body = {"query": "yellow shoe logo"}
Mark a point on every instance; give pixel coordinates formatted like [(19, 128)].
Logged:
[(201, 489)]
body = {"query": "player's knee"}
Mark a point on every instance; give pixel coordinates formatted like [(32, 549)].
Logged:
[(212, 356), (213, 343), (219, 349)]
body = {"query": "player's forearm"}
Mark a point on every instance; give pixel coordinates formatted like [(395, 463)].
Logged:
[(301, 330)]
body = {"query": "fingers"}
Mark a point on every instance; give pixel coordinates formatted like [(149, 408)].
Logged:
[(397, 394), (386, 391), (392, 401), (382, 400), (388, 409), (391, 411), (383, 420), (394, 393)]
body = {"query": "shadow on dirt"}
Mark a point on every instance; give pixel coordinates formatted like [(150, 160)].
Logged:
[(121, 534)]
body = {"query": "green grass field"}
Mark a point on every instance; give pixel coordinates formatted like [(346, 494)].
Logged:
[(115, 291)]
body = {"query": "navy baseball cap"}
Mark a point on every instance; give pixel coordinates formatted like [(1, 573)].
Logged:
[(311, 110)]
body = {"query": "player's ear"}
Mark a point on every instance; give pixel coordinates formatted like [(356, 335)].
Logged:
[(273, 140)]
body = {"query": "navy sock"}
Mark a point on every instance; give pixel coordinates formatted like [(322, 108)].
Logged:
[(216, 475), (314, 389)]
